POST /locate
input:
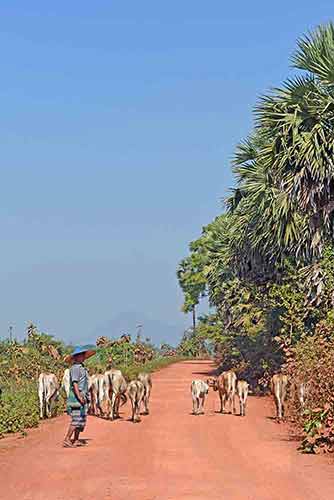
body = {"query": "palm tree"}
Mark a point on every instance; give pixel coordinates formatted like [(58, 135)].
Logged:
[(284, 201)]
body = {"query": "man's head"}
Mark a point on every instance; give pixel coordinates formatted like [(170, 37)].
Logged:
[(79, 358)]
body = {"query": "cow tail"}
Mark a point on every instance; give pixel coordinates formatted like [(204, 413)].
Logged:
[(124, 399)]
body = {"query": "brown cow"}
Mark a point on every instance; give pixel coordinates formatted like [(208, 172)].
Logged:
[(225, 384), (279, 384)]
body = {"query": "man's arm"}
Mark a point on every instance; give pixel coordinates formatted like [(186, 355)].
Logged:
[(78, 393)]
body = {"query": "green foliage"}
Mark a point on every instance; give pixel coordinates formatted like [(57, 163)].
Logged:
[(20, 367), (268, 262), (19, 408)]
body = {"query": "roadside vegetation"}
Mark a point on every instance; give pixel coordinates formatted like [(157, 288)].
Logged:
[(266, 264), (22, 363)]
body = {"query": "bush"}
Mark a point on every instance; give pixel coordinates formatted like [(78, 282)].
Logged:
[(312, 361), (19, 408)]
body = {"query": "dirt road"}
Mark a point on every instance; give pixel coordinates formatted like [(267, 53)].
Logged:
[(171, 455)]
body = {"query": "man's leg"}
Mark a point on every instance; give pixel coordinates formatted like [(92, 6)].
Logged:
[(76, 435), (69, 434)]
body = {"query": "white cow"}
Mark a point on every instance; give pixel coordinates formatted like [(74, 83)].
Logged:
[(136, 393), (97, 385), (299, 389), (65, 384), (116, 389), (199, 390), (145, 379), (279, 384), (242, 390), (48, 391)]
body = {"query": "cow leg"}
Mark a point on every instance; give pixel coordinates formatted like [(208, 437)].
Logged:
[(199, 404), (117, 404), (41, 402), (133, 405), (48, 407), (221, 402), (116, 410), (279, 409), (146, 400), (148, 395), (201, 410), (52, 401), (194, 404), (112, 405), (137, 411), (233, 403)]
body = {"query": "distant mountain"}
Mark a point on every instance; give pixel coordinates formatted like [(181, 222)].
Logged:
[(127, 322)]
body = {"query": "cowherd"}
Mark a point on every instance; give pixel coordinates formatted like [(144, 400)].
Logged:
[(199, 391), (48, 391), (136, 393), (145, 379), (242, 390)]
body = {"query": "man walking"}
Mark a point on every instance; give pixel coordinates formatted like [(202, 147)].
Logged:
[(78, 398)]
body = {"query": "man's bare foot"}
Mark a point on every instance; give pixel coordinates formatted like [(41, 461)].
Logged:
[(68, 444)]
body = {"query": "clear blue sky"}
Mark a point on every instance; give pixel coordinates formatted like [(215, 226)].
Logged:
[(118, 121)]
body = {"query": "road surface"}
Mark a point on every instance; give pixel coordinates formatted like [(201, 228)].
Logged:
[(171, 455)]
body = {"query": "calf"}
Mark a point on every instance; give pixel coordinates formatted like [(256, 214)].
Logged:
[(136, 393), (199, 391), (279, 383), (145, 379), (225, 384), (116, 389), (48, 390), (242, 390)]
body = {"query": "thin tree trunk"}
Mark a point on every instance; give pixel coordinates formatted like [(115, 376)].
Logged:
[(194, 318)]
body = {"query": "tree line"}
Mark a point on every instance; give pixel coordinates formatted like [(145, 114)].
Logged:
[(266, 263)]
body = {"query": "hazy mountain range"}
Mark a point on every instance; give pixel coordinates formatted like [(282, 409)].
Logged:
[(127, 322)]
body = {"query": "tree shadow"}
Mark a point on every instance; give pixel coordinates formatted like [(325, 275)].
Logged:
[(210, 373)]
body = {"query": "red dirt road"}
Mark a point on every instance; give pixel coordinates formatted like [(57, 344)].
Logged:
[(171, 455)]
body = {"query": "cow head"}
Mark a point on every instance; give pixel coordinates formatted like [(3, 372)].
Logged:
[(212, 382)]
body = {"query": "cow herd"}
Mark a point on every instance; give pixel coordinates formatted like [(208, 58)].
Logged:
[(227, 386), (107, 392)]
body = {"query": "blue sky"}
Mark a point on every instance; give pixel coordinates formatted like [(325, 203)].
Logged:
[(118, 121)]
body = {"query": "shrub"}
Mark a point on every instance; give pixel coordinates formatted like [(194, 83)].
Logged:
[(19, 408), (312, 361)]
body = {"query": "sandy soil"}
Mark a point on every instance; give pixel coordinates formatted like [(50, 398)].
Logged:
[(170, 455)]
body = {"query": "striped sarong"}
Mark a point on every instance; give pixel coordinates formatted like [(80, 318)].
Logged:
[(79, 417)]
